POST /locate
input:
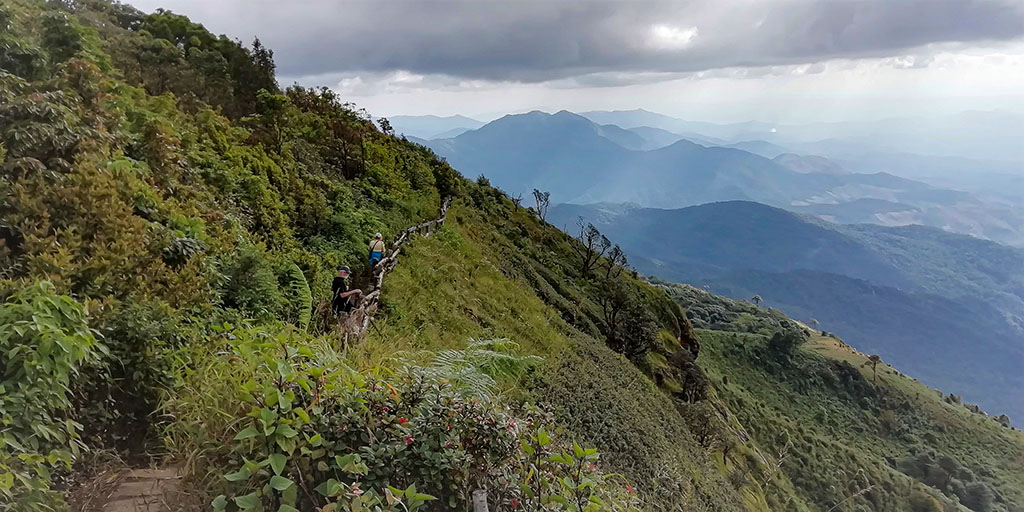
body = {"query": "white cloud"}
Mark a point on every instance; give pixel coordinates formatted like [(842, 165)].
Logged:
[(668, 37)]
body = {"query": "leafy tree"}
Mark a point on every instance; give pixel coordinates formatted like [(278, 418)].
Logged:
[(630, 328), (62, 37), (784, 342), (704, 425), (385, 126), (873, 360)]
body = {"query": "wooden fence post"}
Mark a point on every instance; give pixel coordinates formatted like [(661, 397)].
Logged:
[(480, 500)]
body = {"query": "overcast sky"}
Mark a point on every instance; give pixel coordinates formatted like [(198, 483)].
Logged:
[(713, 60)]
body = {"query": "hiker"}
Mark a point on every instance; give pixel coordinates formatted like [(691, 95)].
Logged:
[(342, 296), (376, 249)]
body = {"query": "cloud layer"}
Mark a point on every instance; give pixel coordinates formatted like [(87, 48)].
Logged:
[(541, 40)]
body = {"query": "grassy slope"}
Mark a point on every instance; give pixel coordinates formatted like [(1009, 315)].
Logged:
[(471, 281), (843, 443)]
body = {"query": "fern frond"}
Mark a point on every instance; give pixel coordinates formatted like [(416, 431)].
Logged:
[(477, 369), (299, 294)]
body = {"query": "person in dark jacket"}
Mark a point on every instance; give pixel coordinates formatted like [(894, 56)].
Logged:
[(341, 296)]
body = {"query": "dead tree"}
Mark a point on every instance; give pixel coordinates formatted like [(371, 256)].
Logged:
[(592, 247), (543, 200), (517, 200), (616, 261)]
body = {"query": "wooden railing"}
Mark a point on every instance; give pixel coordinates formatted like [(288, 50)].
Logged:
[(360, 318)]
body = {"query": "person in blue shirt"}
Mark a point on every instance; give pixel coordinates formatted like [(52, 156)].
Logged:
[(376, 249)]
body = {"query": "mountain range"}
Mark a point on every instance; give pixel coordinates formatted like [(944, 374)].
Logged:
[(433, 127), (581, 161), (947, 308)]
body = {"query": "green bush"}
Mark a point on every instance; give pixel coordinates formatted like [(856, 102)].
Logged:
[(250, 284), (306, 431), (44, 340)]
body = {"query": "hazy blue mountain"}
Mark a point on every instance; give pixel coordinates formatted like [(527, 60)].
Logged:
[(991, 135), (580, 161), (640, 117), (625, 138), (655, 138), (759, 147), (1002, 179), (949, 308), (454, 132), (809, 164), (432, 127)]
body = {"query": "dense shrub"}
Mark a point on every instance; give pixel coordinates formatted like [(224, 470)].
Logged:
[(946, 474), (44, 340), (314, 433)]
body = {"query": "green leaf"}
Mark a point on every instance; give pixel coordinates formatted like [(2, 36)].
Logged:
[(238, 476), (249, 501), (287, 508), (328, 488), (277, 462), (247, 433), (219, 503), (280, 483), (543, 438), (286, 430), (577, 450)]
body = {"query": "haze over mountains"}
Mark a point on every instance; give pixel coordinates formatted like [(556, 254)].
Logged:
[(947, 308), (581, 161)]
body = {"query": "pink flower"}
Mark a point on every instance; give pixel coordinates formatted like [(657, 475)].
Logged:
[(515, 503), (629, 489), (408, 439), (402, 421), (357, 491)]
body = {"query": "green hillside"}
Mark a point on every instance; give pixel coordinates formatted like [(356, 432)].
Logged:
[(170, 223), (846, 427), (946, 308)]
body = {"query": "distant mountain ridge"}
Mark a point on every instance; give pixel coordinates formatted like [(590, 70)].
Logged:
[(433, 127), (948, 308), (581, 161)]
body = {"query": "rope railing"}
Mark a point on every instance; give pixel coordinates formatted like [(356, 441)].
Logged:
[(359, 319)]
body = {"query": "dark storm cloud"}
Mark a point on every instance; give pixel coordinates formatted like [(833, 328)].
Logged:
[(550, 39)]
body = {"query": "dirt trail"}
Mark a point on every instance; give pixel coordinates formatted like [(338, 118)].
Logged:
[(143, 490), (359, 320)]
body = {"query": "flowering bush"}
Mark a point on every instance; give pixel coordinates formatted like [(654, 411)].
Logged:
[(319, 436)]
